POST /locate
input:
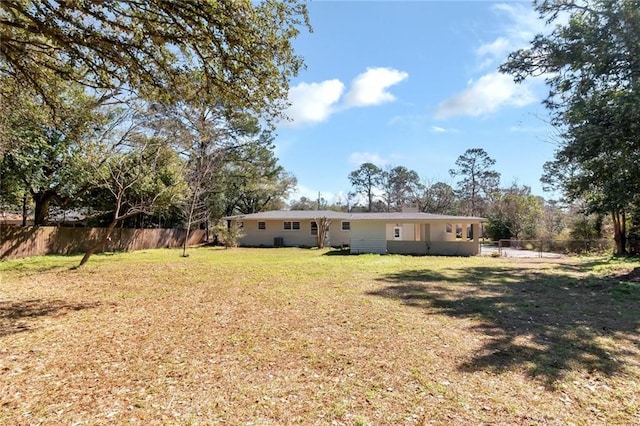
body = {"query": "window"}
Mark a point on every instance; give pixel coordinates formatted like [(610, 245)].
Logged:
[(240, 225), (397, 233), (346, 226), (314, 228), (448, 228), (262, 226), (291, 226)]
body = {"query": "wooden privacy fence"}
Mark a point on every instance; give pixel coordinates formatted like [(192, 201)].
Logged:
[(17, 242)]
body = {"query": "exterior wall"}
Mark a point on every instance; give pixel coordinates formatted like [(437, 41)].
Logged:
[(439, 232), (454, 248), (407, 247), (425, 232), (408, 231), (443, 248), (290, 238), (420, 233), (368, 237)]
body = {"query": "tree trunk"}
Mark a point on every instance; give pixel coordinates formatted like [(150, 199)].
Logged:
[(206, 226), (189, 219), (43, 201), (97, 246), (116, 218), (185, 243), (619, 233), (322, 224)]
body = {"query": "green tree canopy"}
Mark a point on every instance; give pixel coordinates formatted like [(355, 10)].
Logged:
[(251, 180), (592, 66), (367, 180), (46, 160), (142, 175), (478, 181), (303, 203), (239, 50), (514, 213), (438, 198), (400, 186)]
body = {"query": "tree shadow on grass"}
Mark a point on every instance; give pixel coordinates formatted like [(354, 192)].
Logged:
[(547, 323), (18, 317), (338, 251)]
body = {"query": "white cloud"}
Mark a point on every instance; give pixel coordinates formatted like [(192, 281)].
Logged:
[(438, 129), (313, 102), (358, 158), (498, 47), (370, 87), (522, 24), (493, 90), (487, 95), (493, 52)]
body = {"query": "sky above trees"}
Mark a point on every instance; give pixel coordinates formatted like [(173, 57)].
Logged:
[(413, 84)]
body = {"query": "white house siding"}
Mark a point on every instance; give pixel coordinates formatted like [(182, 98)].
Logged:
[(302, 237), (368, 237), (408, 231)]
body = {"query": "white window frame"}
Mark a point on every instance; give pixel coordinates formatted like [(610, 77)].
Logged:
[(348, 228), (292, 225), (264, 225), (313, 222)]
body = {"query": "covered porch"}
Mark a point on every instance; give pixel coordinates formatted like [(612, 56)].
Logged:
[(438, 238)]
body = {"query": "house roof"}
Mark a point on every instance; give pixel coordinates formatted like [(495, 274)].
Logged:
[(313, 214)]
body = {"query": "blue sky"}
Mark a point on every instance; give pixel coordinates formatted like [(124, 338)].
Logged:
[(412, 84)]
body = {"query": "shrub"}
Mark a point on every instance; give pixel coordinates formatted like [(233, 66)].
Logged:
[(229, 236)]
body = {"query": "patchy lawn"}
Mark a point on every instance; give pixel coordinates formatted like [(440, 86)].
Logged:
[(290, 336)]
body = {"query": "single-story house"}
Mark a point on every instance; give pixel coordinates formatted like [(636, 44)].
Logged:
[(394, 233)]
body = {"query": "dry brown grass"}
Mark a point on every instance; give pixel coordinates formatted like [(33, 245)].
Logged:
[(287, 336)]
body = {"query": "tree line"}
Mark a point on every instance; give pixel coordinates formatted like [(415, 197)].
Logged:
[(591, 64), (155, 113), (512, 211)]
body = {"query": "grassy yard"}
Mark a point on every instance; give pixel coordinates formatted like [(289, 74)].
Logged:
[(291, 336)]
